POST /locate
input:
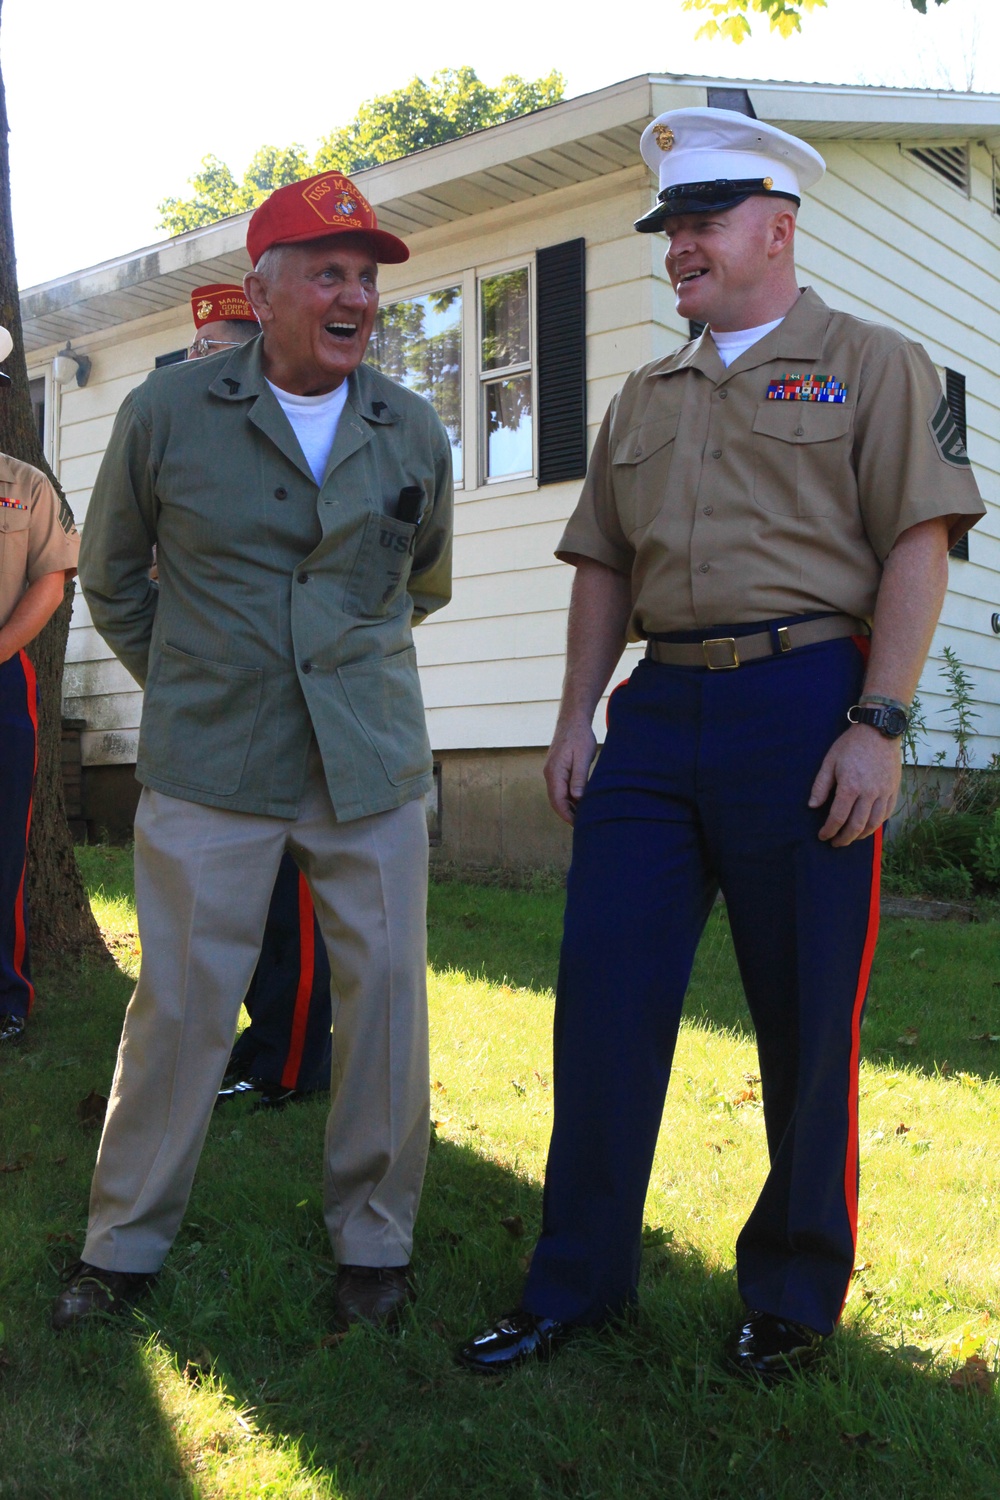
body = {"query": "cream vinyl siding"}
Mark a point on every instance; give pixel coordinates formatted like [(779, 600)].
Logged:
[(96, 687)]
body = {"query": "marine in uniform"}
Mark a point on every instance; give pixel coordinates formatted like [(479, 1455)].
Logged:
[(301, 505), (285, 1052), (770, 508), (38, 552)]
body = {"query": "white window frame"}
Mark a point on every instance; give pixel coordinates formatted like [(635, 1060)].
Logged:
[(484, 378)]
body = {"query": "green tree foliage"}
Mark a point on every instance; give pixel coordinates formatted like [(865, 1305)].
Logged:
[(453, 103), (730, 18)]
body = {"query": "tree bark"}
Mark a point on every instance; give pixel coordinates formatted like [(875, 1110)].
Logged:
[(62, 923)]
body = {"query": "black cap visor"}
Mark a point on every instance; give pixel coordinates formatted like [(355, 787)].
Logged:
[(705, 198)]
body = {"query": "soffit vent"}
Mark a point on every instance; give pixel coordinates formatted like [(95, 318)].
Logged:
[(949, 162)]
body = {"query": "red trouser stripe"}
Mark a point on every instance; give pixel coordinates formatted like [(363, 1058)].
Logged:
[(303, 993), (20, 926), (868, 953)]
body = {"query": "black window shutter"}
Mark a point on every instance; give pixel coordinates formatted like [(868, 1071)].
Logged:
[(695, 329), (562, 361), (173, 358), (954, 385)]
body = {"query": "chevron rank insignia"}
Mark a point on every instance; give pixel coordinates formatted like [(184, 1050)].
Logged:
[(807, 388), (947, 438)]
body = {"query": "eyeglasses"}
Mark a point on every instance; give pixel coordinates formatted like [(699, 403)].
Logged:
[(201, 347)]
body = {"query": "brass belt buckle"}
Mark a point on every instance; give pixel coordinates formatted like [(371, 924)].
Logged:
[(730, 656)]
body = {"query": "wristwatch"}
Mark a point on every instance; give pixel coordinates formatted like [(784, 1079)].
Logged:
[(886, 718)]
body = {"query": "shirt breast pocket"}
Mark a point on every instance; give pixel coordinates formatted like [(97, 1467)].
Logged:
[(802, 458), (14, 542), (641, 464), (377, 585)]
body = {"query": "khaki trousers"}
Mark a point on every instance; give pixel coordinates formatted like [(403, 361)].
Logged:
[(203, 881)]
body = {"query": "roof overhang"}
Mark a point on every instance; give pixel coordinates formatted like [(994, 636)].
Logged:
[(580, 139)]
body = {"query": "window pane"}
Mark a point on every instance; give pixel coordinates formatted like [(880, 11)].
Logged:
[(508, 427), (506, 328), (419, 343)]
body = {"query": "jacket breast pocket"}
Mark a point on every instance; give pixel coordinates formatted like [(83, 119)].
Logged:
[(377, 582), (802, 458), (14, 542), (384, 695), (198, 720), (641, 464)]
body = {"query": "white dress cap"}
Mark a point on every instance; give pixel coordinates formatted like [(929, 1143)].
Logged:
[(727, 150)]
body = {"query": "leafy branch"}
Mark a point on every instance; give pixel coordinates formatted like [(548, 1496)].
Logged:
[(730, 18)]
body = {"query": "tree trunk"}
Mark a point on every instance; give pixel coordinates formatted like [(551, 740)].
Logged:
[(61, 920)]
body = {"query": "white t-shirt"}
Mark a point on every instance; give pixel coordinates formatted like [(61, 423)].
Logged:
[(314, 421), (732, 345)]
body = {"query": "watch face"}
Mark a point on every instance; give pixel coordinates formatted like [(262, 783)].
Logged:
[(894, 723)]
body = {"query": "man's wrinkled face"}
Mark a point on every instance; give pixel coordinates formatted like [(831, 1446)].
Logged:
[(318, 310), (717, 262)]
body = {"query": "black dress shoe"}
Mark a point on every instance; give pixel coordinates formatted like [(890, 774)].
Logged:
[(371, 1294), (11, 1027), (273, 1096), (519, 1339), (91, 1292), (234, 1087), (774, 1348)]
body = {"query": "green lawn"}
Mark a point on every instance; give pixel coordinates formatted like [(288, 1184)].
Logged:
[(230, 1385)]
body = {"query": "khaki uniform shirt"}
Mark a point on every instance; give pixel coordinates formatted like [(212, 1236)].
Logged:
[(726, 507), (283, 607), (37, 535)]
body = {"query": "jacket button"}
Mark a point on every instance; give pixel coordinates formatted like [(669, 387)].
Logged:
[(799, 431), (716, 452), (723, 395), (703, 568), (281, 493), (707, 510), (303, 578), (307, 666)]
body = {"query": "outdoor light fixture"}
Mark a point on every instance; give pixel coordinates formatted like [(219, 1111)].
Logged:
[(68, 365)]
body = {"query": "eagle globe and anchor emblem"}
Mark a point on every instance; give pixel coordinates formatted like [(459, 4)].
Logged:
[(345, 205), (664, 137), (204, 308)]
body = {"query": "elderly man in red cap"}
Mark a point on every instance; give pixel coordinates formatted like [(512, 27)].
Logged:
[(301, 507)]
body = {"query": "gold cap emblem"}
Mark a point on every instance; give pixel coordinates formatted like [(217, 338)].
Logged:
[(768, 184), (203, 309), (664, 137)]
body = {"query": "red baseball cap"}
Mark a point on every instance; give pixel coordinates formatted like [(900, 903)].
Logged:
[(311, 210), (220, 302)]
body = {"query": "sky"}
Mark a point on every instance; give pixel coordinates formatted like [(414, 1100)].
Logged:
[(112, 104)]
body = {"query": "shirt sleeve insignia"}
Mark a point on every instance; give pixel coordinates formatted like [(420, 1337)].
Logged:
[(808, 388), (66, 520), (947, 438)]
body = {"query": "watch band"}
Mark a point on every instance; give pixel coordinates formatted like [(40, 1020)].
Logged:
[(890, 720)]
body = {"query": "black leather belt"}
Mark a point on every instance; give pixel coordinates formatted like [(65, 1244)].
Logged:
[(724, 653)]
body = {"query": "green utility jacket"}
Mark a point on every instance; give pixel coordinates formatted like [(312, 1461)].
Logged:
[(283, 610)]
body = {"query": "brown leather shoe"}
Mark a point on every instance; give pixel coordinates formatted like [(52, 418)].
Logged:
[(371, 1294), (91, 1292)]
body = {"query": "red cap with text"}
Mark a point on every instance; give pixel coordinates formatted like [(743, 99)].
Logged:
[(311, 210), (220, 302)]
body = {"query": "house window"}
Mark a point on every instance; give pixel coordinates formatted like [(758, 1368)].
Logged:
[(505, 374), (418, 342), (500, 352)]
